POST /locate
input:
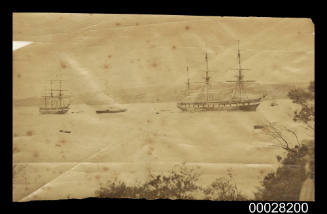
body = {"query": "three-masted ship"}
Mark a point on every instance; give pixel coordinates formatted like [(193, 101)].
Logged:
[(54, 101), (239, 100)]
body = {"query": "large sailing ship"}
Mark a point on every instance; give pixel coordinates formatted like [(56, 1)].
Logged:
[(239, 101), (54, 101)]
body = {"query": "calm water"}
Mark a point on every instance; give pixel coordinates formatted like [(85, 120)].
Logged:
[(148, 138)]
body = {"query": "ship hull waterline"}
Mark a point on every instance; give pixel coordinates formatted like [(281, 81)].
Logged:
[(110, 111), (53, 110), (217, 106)]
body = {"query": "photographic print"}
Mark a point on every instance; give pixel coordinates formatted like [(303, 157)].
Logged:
[(162, 107)]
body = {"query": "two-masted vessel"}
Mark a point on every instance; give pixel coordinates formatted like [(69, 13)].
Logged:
[(239, 100), (54, 101)]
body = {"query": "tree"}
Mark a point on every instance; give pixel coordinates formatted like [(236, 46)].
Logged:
[(283, 137), (305, 98), (298, 165), (285, 183), (223, 189), (179, 183)]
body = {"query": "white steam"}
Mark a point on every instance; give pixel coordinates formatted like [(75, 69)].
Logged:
[(85, 86)]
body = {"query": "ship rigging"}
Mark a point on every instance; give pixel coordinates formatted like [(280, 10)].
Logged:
[(238, 102), (55, 102)]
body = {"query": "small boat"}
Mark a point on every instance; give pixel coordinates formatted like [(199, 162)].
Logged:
[(258, 126), (65, 131), (110, 110)]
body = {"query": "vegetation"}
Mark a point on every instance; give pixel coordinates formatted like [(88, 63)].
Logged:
[(305, 98), (298, 165), (283, 184), (179, 183), (223, 189)]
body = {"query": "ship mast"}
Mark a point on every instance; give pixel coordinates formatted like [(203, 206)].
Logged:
[(188, 81), (51, 94), (240, 76), (239, 82), (54, 98), (45, 101), (60, 94), (207, 78)]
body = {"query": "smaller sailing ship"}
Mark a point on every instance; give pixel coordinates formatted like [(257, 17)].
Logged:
[(55, 102)]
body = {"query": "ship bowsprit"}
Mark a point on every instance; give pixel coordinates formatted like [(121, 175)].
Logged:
[(239, 100), (241, 105)]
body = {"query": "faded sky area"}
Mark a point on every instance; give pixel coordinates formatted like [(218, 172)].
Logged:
[(19, 44), (131, 51)]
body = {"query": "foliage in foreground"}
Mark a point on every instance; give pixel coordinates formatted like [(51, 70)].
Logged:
[(298, 165), (305, 98), (223, 189), (285, 183), (179, 183)]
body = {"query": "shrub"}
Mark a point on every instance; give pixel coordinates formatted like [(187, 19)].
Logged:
[(285, 183), (179, 183), (223, 189)]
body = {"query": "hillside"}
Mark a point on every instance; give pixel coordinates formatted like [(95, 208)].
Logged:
[(122, 52), (155, 95)]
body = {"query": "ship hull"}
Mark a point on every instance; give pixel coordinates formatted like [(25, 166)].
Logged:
[(110, 111), (54, 110), (250, 105)]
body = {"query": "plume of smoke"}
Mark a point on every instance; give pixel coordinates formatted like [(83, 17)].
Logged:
[(85, 85)]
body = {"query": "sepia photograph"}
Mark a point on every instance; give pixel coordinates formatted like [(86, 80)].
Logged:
[(163, 107)]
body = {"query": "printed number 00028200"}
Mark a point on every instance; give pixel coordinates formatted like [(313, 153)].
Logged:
[(278, 207)]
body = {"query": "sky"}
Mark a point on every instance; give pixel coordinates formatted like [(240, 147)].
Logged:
[(19, 44), (132, 51)]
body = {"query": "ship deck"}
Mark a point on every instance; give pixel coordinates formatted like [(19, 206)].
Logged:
[(223, 102)]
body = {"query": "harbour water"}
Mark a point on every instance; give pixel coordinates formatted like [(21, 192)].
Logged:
[(78, 151)]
